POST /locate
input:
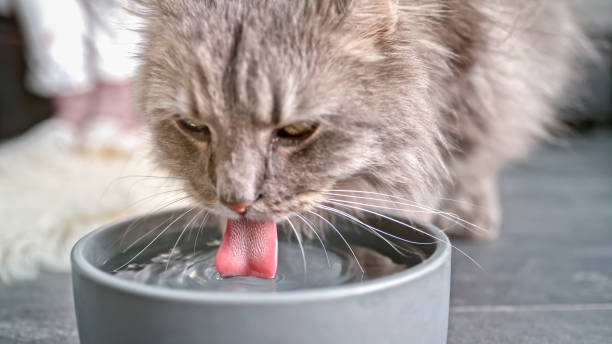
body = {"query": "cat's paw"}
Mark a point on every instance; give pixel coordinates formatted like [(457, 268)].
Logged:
[(471, 213)]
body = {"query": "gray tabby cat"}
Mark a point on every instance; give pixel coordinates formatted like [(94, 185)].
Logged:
[(261, 106)]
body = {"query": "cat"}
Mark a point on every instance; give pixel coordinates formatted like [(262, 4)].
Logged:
[(271, 108)]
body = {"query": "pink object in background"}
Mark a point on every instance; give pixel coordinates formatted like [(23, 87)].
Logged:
[(82, 55)]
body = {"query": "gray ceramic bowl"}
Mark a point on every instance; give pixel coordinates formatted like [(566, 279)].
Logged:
[(410, 306)]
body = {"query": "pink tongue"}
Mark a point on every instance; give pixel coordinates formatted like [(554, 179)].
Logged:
[(249, 248)]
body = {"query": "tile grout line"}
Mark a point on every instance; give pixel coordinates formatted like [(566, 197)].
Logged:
[(532, 308)]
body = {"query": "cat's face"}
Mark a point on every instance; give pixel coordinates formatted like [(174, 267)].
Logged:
[(273, 103)]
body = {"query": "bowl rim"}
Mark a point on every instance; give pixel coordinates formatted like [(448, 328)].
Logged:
[(84, 268)]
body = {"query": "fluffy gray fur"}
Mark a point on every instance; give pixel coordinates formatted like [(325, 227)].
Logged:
[(424, 99)]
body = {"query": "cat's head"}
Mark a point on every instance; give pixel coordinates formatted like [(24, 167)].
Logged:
[(272, 102)]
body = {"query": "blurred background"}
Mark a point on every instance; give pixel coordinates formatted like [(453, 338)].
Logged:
[(27, 95), (69, 58), (73, 151), (73, 156)]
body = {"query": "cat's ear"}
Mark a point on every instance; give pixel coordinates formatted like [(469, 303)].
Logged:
[(370, 24), (146, 4), (146, 9), (156, 9), (374, 18)]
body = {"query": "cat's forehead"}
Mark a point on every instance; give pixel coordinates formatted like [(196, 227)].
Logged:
[(241, 66), (269, 105), (270, 91)]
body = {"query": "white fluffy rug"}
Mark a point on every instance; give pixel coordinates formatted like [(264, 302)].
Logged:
[(55, 188)]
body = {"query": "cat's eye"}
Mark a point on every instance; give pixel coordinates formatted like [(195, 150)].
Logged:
[(297, 131), (197, 130)]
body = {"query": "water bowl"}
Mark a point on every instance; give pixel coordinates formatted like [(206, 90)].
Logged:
[(136, 282)]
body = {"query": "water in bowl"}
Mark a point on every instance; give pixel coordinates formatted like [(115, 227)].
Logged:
[(192, 268)]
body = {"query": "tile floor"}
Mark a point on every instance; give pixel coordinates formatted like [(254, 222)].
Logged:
[(548, 278)]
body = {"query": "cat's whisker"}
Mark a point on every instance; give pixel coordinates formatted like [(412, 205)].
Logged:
[(153, 241), (471, 204), (195, 242), (142, 236), (187, 225), (146, 176), (200, 228), (137, 221), (340, 212), (164, 184), (383, 207), (141, 178), (377, 231), (299, 239), (411, 227), (388, 208), (371, 230), (450, 216), (311, 226), (145, 235), (152, 196), (342, 237), (406, 202)]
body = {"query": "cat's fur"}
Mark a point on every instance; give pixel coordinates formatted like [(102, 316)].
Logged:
[(425, 99)]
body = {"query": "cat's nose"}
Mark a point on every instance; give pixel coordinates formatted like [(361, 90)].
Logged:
[(239, 207)]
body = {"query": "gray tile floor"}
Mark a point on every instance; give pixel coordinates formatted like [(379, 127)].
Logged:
[(547, 279)]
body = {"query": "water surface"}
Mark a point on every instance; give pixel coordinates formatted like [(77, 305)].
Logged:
[(186, 267)]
